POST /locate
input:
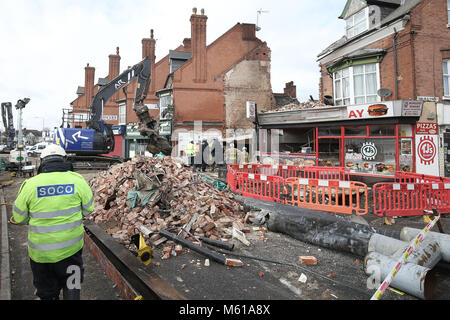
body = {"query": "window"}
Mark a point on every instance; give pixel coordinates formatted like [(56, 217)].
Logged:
[(365, 83), (342, 87), (357, 23), (356, 84), (372, 156), (448, 11), (446, 74), (122, 114)]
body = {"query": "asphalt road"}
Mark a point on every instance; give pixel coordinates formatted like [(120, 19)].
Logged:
[(337, 276)]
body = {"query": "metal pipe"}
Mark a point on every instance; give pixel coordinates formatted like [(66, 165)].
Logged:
[(217, 243), (210, 254), (324, 229), (395, 62), (413, 279), (407, 234)]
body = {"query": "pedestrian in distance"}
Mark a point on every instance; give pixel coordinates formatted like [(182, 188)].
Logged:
[(216, 154), (206, 155), (190, 153), (53, 205)]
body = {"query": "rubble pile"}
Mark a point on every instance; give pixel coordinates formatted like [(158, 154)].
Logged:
[(294, 106), (151, 194)]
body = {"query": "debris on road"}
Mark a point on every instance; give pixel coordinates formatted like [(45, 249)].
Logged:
[(307, 260), (154, 194)]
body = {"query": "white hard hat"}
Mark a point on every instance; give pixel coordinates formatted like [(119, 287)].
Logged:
[(53, 150)]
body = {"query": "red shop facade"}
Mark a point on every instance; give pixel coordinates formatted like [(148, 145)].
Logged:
[(368, 144)]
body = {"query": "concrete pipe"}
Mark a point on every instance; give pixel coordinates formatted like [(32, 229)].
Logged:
[(427, 254), (413, 279), (408, 234)]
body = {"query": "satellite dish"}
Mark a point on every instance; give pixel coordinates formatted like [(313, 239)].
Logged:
[(384, 93)]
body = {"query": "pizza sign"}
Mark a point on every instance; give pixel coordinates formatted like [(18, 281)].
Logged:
[(426, 128)]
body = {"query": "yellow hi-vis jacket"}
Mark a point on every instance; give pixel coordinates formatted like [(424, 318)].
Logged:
[(190, 150), (53, 205)]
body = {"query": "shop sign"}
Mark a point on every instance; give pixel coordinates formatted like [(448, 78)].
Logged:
[(369, 151), (426, 154), (412, 108), (368, 111), (428, 99), (109, 117), (426, 128), (165, 128)]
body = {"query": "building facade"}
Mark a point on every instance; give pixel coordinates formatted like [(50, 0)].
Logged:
[(395, 50), (196, 83)]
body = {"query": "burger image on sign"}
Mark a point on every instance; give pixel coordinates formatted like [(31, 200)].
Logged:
[(377, 110)]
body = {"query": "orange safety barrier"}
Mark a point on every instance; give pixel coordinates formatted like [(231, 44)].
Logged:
[(408, 177), (410, 199), (326, 173), (328, 195), (260, 186)]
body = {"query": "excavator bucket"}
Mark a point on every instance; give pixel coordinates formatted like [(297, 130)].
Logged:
[(148, 127)]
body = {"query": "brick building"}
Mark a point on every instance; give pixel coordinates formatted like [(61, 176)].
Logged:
[(194, 82), (401, 47), (385, 84)]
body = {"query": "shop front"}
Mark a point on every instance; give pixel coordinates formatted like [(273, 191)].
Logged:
[(135, 144), (370, 140)]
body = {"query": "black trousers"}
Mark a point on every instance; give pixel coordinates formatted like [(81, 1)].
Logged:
[(50, 278)]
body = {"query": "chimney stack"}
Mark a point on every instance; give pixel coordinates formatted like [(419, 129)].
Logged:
[(290, 89), (114, 65), (187, 44), (148, 50), (89, 74), (198, 42)]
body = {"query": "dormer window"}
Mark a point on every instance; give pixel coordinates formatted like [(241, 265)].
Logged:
[(357, 23)]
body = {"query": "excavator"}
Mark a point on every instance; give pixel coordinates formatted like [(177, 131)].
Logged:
[(7, 117), (91, 146)]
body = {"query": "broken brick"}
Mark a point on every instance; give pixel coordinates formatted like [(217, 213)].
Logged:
[(307, 260)]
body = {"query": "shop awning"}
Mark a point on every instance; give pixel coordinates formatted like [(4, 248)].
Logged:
[(359, 57)]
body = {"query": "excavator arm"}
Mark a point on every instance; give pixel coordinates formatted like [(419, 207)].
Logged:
[(7, 117), (148, 125)]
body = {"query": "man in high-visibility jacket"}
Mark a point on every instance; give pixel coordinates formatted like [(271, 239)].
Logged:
[(190, 153), (53, 204)]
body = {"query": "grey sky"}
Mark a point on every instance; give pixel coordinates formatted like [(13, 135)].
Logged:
[(47, 43)]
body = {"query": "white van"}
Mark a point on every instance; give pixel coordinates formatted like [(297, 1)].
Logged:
[(37, 149)]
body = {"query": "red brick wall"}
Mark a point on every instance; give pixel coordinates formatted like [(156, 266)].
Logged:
[(421, 48), (205, 100)]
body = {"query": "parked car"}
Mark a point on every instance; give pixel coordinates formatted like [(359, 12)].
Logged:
[(37, 149)]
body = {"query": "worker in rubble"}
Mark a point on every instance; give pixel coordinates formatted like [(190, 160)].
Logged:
[(190, 153), (216, 154), (53, 205), (231, 154)]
